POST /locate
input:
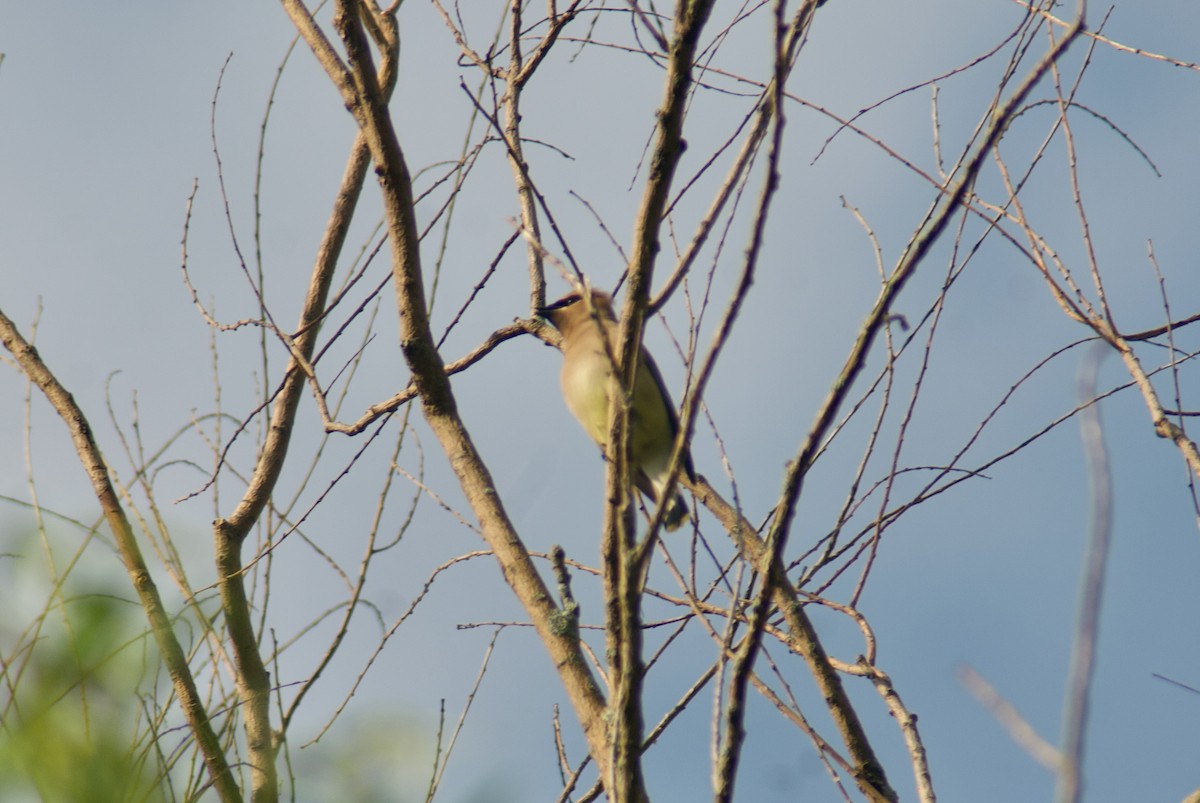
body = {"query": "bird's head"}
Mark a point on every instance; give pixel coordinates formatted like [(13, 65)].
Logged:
[(570, 311)]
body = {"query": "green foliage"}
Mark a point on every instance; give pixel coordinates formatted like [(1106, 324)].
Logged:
[(71, 725)]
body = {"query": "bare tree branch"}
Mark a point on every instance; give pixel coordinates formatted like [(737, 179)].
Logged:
[(31, 364)]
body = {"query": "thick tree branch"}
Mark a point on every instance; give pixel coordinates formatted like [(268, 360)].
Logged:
[(253, 680), (802, 638), (365, 101)]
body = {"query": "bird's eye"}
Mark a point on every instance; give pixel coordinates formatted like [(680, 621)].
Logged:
[(567, 301)]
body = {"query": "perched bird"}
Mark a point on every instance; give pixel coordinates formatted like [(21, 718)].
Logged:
[(587, 367)]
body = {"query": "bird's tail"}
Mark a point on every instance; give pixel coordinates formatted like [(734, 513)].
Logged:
[(677, 511)]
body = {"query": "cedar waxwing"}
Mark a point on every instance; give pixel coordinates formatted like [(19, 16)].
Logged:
[(586, 370)]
